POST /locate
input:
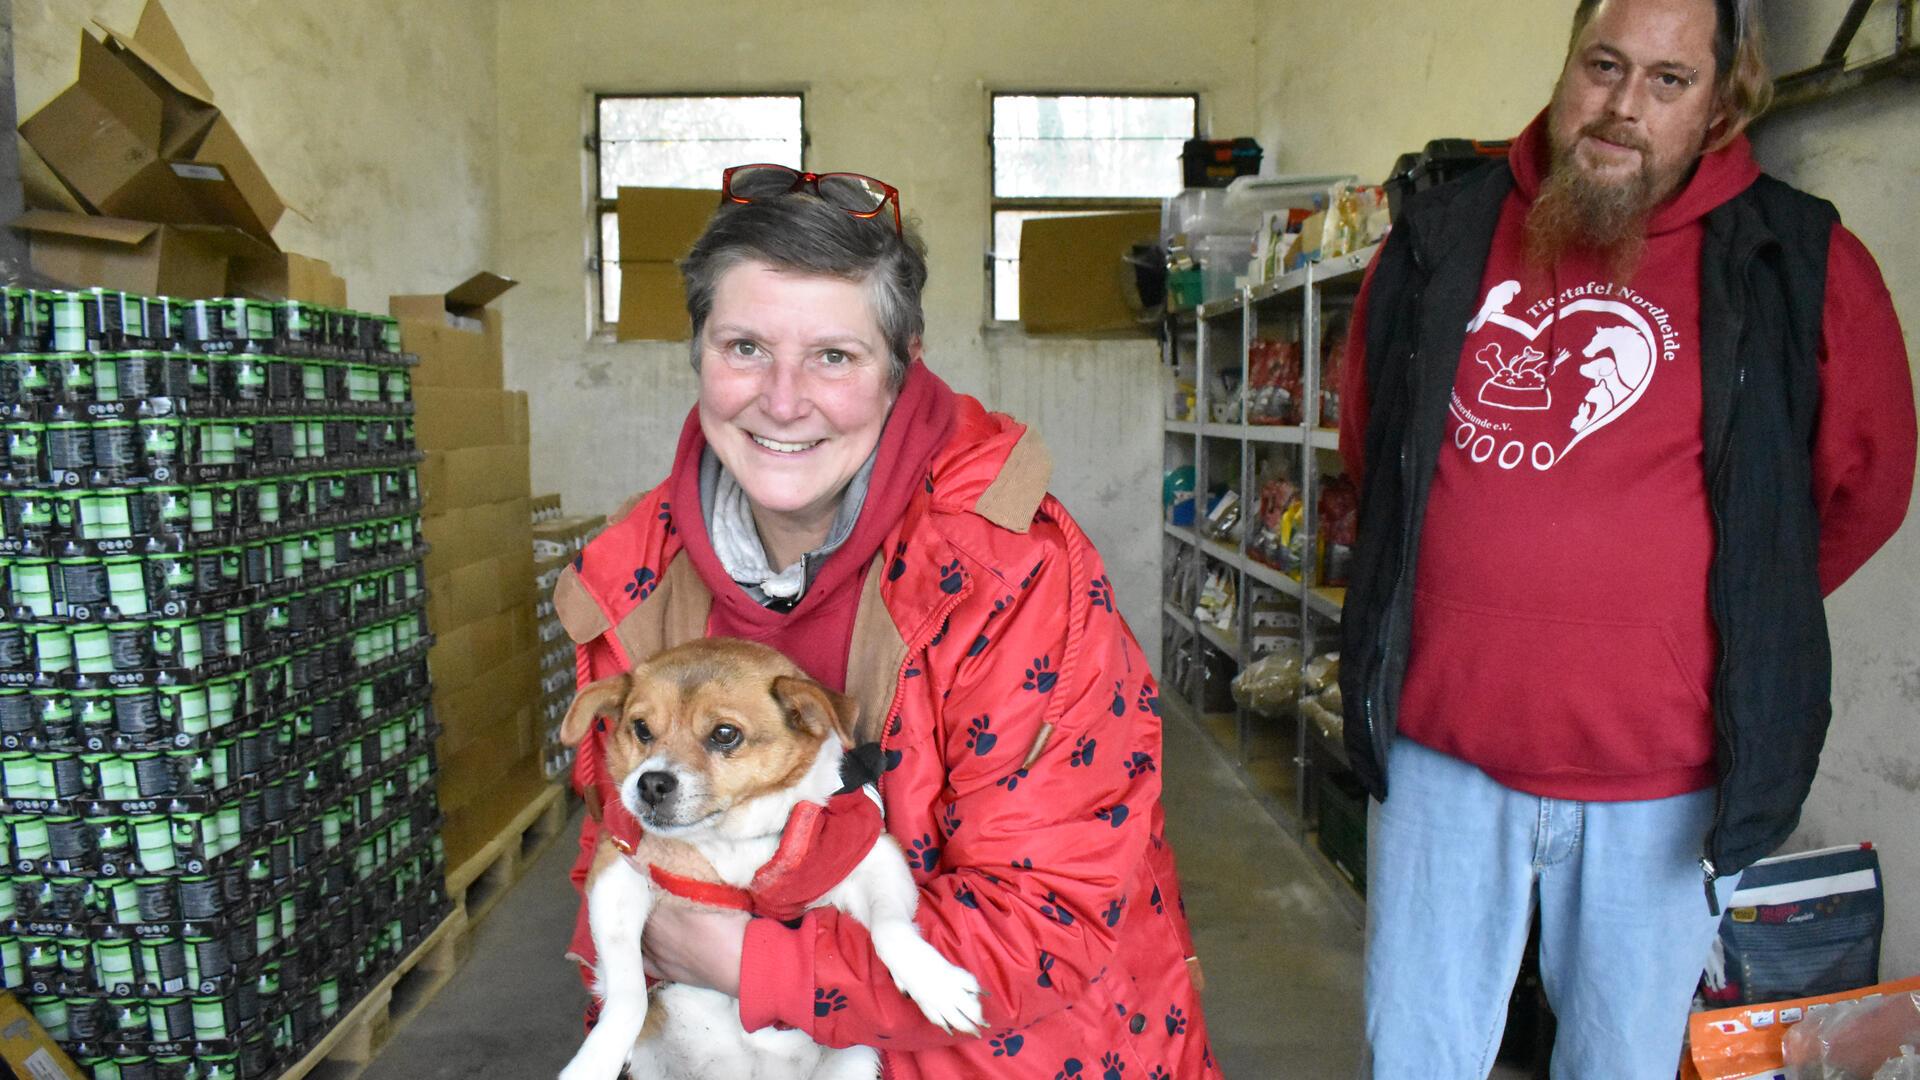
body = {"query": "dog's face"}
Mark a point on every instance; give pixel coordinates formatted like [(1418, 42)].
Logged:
[(706, 727)]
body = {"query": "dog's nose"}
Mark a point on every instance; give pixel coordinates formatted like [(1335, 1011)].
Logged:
[(655, 786)]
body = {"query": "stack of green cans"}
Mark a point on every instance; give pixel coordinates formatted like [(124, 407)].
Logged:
[(218, 822)]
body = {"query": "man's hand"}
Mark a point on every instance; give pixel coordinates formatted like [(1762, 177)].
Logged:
[(695, 945)]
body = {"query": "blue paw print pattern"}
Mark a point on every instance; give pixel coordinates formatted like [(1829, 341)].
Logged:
[(893, 760), (1150, 699), (644, 579), (579, 561), (979, 739), (923, 854), (1011, 781), (941, 635), (828, 999), (1101, 593), (1159, 1073), (1115, 815), (899, 564), (966, 897), (1007, 1045), (1119, 699), (952, 577), (912, 671), (1083, 749), (1057, 911), (1041, 676), (949, 818), (1176, 1021), (1027, 582), (1114, 909), (979, 645), (1139, 764), (1069, 1070), (1046, 970), (1111, 1066), (893, 726), (665, 518), (1159, 905)]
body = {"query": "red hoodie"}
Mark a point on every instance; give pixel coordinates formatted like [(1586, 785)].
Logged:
[(1562, 640)]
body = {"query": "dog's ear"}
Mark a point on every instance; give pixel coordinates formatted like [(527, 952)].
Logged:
[(816, 710), (603, 698)]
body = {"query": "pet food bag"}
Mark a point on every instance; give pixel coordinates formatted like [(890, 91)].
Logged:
[(1799, 926)]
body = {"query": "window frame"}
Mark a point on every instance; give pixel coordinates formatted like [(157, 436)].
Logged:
[(996, 204), (599, 207)]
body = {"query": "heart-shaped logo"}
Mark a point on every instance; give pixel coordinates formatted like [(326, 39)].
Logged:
[(1533, 407)]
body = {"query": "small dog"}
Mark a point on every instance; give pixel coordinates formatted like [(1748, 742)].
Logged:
[(714, 745)]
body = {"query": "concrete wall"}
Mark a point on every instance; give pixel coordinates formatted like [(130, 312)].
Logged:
[(1475, 68), (895, 90), (375, 120)]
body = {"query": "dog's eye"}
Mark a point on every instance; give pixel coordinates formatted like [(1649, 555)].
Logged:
[(641, 731), (726, 737)]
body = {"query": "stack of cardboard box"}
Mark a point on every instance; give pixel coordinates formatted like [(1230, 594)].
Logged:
[(137, 182), (480, 581), (557, 541)]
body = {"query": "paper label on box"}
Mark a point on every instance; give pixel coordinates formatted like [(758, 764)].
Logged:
[(189, 171), (42, 1066)]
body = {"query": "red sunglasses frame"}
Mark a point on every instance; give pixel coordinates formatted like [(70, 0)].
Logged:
[(812, 180)]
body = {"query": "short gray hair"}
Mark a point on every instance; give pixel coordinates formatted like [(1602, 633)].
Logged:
[(800, 233)]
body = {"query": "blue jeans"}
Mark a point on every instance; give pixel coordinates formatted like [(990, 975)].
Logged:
[(1456, 863)]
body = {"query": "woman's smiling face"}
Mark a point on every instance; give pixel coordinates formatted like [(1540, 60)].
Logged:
[(793, 391)]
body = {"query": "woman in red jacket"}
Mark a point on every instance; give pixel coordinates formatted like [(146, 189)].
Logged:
[(833, 498)]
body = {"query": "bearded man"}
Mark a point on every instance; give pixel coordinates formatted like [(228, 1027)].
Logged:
[(1586, 665)]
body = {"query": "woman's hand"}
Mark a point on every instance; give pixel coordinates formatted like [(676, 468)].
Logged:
[(697, 946)]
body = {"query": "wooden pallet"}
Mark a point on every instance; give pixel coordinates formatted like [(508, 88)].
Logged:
[(478, 884), (347, 1050)]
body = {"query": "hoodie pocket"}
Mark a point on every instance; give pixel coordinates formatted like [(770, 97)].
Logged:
[(1553, 695)]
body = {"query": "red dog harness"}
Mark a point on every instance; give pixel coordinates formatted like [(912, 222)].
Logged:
[(819, 847)]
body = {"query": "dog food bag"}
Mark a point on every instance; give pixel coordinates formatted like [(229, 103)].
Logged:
[(1800, 925), (1747, 1042)]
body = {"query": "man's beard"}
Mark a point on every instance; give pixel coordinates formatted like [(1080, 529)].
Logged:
[(1577, 213)]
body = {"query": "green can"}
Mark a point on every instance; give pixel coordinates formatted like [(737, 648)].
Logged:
[(130, 1021), (92, 650), (30, 582), (13, 966), (217, 1067), (114, 966), (153, 836), (51, 1012), (23, 777), (73, 377), (121, 898), (112, 837), (163, 443), (127, 585), (69, 448), (212, 1019), (172, 1020), (26, 460), (114, 776), (66, 313), (203, 511), (51, 647)]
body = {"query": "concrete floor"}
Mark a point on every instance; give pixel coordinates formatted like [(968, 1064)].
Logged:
[(1282, 956)]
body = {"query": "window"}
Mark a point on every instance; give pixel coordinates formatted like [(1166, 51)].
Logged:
[(680, 141), (1056, 154)]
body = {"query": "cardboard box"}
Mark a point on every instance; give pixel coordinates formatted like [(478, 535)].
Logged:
[(484, 588), (447, 418), (470, 709), (185, 261), (455, 333), (658, 226), (1075, 277), (473, 476), (29, 1051), (286, 276), (464, 653), (481, 821), (138, 136), (463, 536), (519, 419)]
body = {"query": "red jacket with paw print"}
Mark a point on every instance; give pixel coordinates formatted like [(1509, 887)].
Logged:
[(1020, 729)]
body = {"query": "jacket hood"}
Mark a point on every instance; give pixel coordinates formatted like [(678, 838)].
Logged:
[(1717, 178), (993, 466)]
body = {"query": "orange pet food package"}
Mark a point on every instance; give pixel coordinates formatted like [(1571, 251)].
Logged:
[(1743, 1043)]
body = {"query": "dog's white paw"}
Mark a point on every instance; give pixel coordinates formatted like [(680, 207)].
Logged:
[(949, 995)]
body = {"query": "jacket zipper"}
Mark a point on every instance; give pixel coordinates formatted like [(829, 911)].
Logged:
[(886, 726), (1710, 872)]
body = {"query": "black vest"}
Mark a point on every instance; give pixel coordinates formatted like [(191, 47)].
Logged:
[(1762, 291)]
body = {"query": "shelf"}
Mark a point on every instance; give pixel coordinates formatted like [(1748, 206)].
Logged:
[(1182, 427), (1329, 745), (1280, 286), (1224, 306), (1345, 270), (1226, 553), (1327, 601), (1325, 438), (1271, 578), (1180, 618), (1185, 536), (1223, 640)]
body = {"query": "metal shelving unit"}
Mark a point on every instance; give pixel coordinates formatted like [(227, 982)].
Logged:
[(1278, 759)]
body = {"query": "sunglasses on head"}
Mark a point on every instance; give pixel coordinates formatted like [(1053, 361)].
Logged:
[(860, 196)]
